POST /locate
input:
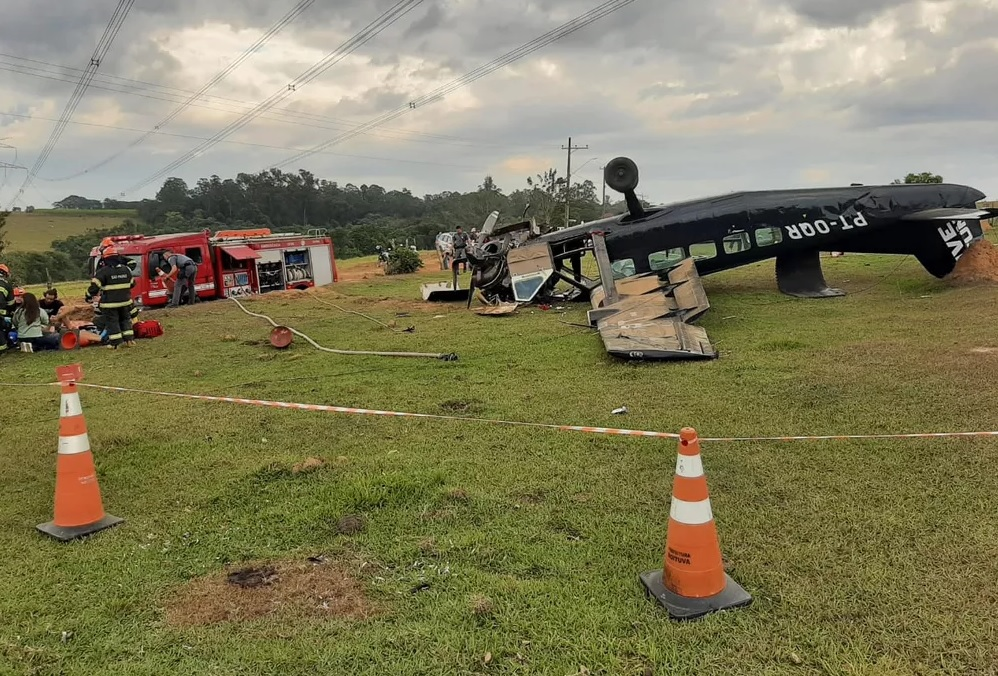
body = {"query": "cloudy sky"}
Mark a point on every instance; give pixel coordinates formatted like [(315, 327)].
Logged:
[(707, 96)]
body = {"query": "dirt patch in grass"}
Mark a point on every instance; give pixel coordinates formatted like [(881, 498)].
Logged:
[(317, 588), (307, 465), (979, 264), (351, 524), (459, 406)]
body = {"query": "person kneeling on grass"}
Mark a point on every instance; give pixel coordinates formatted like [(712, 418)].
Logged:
[(32, 325)]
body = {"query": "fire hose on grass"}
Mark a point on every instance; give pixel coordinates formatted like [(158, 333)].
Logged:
[(445, 357), (361, 314)]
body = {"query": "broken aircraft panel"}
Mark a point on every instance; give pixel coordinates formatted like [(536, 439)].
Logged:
[(521, 262), (648, 319)]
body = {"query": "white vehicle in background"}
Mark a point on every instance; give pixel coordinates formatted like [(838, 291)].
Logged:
[(444, 244)]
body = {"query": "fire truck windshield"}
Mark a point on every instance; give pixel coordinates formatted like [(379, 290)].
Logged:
[(134, 262)]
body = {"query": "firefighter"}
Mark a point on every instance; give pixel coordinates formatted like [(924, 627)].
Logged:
[(114, 282), (6, 305), (100, 319)]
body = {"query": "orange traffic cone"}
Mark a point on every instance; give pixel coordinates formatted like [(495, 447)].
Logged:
[(692, 581), (78, 507), (89, 338), (69, 340)]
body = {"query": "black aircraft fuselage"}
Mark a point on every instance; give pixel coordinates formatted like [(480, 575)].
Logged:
[(733, 230), (935, 223)]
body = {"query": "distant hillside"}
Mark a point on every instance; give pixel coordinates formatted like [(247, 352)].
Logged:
[(36, 231)]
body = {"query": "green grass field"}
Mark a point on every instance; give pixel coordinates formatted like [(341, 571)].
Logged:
[(36, 231), (488, 549)]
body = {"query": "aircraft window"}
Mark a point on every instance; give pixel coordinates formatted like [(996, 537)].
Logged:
[(660, 260), (768, 236), (737, 242), (623, 268), (702, 250)]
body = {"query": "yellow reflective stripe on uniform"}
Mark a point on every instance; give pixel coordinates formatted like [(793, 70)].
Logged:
[(3, 289), (96, 282), (114, 336), (117, 287), (123, 303)]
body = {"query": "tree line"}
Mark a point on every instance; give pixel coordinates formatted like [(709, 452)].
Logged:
[(358, 218)]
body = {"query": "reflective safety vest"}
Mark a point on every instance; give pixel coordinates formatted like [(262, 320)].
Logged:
[(114, 283), (6, 296)]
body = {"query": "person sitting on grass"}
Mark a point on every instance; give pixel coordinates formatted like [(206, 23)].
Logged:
[(52, 305), (32, 325)]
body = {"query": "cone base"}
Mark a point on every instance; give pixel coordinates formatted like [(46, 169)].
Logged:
[(683, 608), (64, 534)]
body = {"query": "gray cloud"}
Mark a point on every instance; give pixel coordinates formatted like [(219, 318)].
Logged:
[(842, 12), (953, 94), (627, 86)]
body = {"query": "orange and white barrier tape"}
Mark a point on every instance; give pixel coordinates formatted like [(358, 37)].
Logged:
[(323, 408), (392, 414)]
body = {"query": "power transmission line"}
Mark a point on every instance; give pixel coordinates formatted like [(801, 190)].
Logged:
[(397, 11), (438, 94), (290, 16), (103, 45), (277, 114), (238, 143), (7, 165)]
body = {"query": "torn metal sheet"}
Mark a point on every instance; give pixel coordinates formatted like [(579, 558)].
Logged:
[(668, 338), (529, 268), (444, 291), (649, 320)]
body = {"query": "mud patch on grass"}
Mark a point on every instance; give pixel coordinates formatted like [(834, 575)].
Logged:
[(351, 524), (307, 465), (531, 497), (316, 588), (458, 495), (458, 406)]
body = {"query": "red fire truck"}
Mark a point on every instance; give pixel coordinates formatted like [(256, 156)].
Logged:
[(230, 263)]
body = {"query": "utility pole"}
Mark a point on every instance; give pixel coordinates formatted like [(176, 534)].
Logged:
[(568, 181), (602, 205)]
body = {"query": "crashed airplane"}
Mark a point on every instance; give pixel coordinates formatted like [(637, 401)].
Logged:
[(650, 260)]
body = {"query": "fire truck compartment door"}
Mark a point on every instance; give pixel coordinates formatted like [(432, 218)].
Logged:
[(322, 265), (241, 253), (269, 256)]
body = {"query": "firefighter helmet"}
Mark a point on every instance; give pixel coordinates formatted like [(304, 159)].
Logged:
[(109, 251)]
